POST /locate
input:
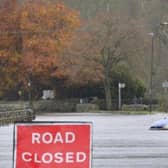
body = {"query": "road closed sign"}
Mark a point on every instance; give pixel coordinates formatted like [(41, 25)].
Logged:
[(52, 145)]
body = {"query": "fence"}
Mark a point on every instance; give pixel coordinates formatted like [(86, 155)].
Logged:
[(8, 115)]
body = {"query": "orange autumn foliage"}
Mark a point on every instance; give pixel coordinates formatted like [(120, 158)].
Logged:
[(32, 38), (46, 28), (9, 56)]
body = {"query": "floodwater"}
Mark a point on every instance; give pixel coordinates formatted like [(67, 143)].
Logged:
[(119, 141)]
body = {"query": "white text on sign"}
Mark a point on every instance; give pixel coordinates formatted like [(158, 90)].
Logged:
[(49, 138), (58, 157)]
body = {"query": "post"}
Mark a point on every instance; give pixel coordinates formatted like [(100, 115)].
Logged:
[(30, 92), (151, 74), (120, 86), (119, 96), (30, 110)]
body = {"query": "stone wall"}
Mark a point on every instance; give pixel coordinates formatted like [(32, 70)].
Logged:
[(69, 105), (55, 105), (87, 107), (10, 113)]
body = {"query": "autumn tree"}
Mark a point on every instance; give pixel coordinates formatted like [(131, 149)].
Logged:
[(47, 28), (10, 57), (33, 35)]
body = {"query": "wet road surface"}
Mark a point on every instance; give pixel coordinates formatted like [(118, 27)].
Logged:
[(119, 141)]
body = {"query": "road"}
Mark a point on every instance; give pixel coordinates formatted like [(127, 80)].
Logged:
[(119, 141)]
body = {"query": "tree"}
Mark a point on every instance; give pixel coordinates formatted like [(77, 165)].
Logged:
[(47, 28), (10, 58), (33, 35), (104, 44), (134, 86)]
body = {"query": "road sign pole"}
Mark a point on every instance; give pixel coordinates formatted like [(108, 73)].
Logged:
[(120, 86), (119, 96)]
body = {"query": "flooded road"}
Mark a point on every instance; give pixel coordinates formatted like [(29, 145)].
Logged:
[(119, 141)]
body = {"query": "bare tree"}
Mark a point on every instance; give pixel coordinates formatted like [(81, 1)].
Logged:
[(99, 47)]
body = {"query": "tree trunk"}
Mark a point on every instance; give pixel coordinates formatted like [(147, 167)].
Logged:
[(107, 89)]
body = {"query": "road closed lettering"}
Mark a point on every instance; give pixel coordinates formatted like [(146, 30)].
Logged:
[(50, 138), (53, 145), (47, 158)]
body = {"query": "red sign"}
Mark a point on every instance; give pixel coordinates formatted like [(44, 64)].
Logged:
[(52, 145)]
